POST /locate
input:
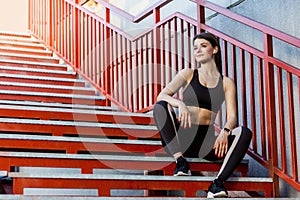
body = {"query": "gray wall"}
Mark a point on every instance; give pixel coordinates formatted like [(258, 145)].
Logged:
[(280, 14)]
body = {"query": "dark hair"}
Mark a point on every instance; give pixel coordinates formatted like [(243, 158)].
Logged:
[(215, 43)]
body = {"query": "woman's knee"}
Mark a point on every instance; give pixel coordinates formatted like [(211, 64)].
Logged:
[(246, 133), (160, 106), (243, 133), (161, 103)]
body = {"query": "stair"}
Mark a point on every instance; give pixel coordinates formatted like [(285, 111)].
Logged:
[(52, 123)]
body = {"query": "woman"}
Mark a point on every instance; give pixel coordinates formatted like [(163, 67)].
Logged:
[(191, 133)]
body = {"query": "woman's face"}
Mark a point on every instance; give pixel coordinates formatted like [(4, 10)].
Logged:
[(203, 51)]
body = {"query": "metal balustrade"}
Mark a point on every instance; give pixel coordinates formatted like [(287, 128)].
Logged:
[(131, 71)]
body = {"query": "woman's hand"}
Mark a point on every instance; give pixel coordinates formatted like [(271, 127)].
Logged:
[(184, 115), (221, 144)]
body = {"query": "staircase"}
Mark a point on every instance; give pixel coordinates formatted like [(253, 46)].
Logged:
[(57, 133)]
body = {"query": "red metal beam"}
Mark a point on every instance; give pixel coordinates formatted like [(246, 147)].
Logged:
[(251, 23)]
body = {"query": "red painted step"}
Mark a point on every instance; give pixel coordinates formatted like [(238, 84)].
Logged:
[(46, 88), (52, 97), (37, 72), (35, 65), (25, 51), (47, 113), (41, 80), (85, 129), (28, 58), (24, 45)]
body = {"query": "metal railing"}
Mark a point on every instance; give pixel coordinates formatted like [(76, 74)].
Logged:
[(131, 71)]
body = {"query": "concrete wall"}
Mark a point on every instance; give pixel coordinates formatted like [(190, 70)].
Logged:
[(282, 15), (279, 14)]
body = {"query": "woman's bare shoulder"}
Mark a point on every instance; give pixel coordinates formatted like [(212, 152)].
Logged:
[(187, 72), (228, 82), (228, 79)]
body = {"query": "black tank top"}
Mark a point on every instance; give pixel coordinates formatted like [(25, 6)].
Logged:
[(200, 96)]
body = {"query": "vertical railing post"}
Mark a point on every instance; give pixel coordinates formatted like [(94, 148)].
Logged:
[(243, 88), (157, 58), (50, 39), (44, 21), (107, 62), (200, 15), (29, 20), (270, 111), (76, 27)]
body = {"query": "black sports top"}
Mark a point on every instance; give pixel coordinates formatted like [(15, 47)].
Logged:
[(200, 96)]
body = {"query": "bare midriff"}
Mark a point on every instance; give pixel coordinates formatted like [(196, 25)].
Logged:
[(201, 116)]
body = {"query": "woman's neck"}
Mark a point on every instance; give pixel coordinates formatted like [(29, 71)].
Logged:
[(209, 68)]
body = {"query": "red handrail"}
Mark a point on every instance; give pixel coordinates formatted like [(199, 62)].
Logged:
[(147, 12), (271, 65), (131, 70)]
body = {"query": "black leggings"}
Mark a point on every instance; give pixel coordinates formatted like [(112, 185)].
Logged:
[(198, 141)]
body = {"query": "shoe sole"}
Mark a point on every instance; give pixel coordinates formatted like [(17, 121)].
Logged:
[(221, 194), (183, 174)]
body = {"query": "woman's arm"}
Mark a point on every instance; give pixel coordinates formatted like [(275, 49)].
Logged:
[(221, 144), (179, 81), (230, 100)]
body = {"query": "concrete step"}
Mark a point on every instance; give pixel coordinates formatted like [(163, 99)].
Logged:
[(52, 97), (29, 58), (15, 34), (88, 162), (61, 128), (3, 173), (42, 79), (37, 72), (21, 44), (42, 105), (34, 112), (76, 145), (16, 38), (33, 87), (33, 64), (82, 197), (104, 183), (25, 51)]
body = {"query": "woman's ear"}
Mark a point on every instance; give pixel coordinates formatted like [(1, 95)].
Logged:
[(215, 50)]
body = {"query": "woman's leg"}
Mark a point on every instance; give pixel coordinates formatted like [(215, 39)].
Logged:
[(177, 141), (239, 142), (167, 124)]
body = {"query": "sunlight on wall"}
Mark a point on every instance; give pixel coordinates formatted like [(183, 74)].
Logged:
[(134, 7), (14, 16)]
